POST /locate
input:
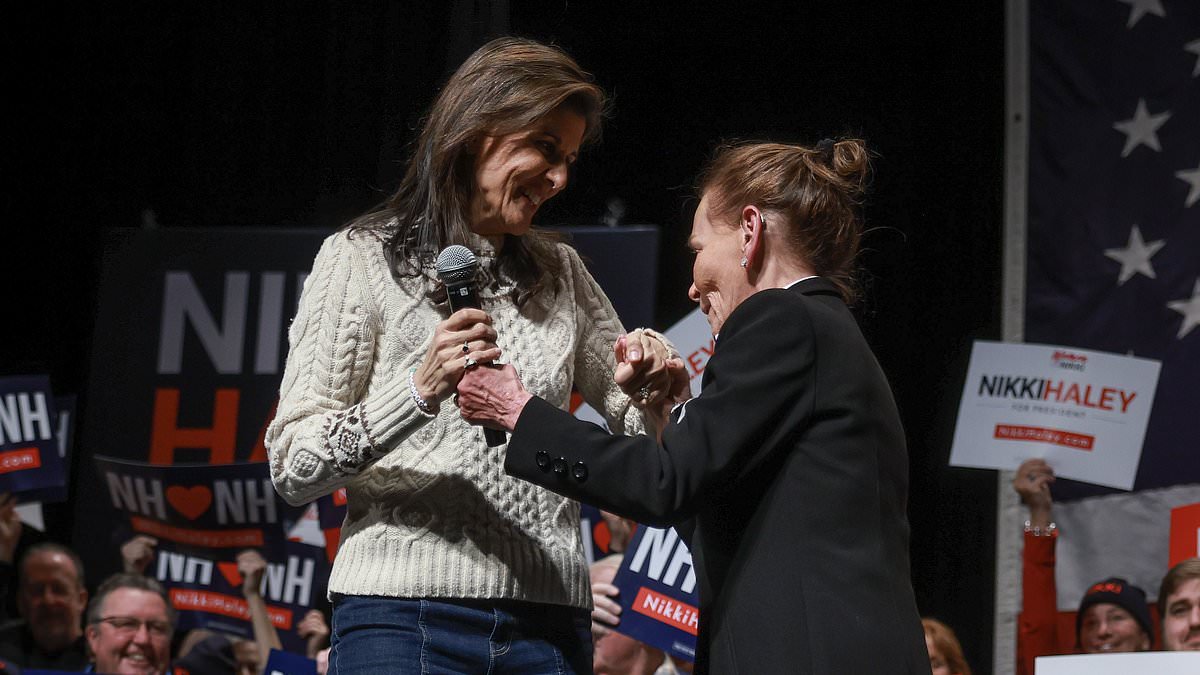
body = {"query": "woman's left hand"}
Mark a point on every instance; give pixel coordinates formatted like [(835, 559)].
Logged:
[(642, 368)]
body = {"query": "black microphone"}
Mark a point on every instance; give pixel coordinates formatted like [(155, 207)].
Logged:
[(456, 267)]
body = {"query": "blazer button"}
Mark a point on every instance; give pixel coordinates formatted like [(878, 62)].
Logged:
[(579, 471), (560, 465), (542, 459)]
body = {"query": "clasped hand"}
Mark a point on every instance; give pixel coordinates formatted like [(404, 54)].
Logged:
[(494, 396)]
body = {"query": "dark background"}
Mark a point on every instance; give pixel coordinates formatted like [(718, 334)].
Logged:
[(298, 114)]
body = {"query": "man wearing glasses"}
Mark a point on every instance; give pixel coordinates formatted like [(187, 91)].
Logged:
[(130, 624)]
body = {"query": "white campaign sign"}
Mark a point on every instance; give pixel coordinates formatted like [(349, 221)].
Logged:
[(1159, 663), (1084, 412)]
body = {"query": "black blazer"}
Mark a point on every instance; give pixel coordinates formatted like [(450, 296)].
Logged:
[(789, 475)]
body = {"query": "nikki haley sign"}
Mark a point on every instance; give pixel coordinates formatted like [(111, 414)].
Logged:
[(659, 602)]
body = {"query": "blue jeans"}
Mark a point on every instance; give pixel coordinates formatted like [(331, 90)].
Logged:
[(400, 635)]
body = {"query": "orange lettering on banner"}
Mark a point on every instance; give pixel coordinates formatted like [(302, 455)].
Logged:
[(667, 610), (1013, 432), (1185, 533), (205, 538), (225, 605), (166, 437), (20, 459)]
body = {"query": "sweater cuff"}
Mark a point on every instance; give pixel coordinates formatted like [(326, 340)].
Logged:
[(390, 413), (672, 352)]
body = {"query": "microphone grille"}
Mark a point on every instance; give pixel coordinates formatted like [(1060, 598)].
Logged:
[(456, 264)]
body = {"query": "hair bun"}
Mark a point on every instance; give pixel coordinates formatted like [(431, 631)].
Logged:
[(851, 161)]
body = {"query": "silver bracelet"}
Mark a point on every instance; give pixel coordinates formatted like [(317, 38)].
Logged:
[(421, 403), (1039, 531)]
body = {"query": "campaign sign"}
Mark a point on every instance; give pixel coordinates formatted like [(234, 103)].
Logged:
[(206, 588), (188, 350), (64, 437), (597, 538), (28, 450), (1083, 411), (659, 602), (1185, 533), (1159, 663), (284, 663), (331, 513), (202, 517), (204, 506)]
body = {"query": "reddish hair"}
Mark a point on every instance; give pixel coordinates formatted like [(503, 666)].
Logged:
[(943, 637), (818, 191)]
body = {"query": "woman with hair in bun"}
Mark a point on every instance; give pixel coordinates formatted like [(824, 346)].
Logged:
[(788, 474)]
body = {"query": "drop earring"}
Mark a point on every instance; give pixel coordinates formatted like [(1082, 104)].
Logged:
[(744, 263)]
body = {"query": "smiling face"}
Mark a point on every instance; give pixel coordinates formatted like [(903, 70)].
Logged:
[(1181, 618), (719, 282), (516, 173), (1107, 627), (131, 650)]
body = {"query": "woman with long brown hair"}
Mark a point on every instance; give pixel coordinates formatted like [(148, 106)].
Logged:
[(445, 563)]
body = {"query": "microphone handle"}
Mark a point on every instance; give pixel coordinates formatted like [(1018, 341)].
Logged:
[(462, 296)]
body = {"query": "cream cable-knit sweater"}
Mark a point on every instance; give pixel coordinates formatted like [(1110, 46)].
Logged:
[(431, 511)]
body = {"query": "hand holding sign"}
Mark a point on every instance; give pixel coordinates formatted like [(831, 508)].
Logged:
[(314, 631), (10, 527), (607, 610), (251, 565), (138, 553), (1032, 481)]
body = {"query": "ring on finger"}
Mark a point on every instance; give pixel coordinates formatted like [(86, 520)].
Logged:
[(644, 392), (466, 346), (469, 363)]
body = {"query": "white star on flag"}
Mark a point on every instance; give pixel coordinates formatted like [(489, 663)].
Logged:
[(1140, 8), (1142, 129), (1194, 48), (1135, 257), (1192, 178), (1190, 309)]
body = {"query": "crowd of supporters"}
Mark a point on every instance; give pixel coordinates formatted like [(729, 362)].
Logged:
[(128, 624), (1114, 616)]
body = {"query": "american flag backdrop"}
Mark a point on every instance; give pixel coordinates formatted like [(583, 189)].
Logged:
[(1113, 252), (1110, 170)]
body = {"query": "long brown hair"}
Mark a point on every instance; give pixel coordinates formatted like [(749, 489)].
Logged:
[(817, 190), (507, 85)]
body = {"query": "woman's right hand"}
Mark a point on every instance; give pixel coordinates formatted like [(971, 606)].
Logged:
[(446, 360)]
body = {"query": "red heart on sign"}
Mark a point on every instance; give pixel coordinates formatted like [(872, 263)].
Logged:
[(230, 571), (191, 502)]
